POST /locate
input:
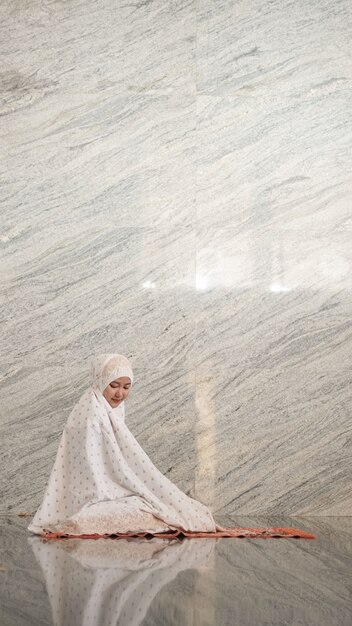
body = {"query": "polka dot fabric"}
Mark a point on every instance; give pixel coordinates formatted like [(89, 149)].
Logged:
[(102, 481)]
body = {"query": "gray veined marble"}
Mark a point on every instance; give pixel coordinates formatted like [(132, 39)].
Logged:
[(176, 186)]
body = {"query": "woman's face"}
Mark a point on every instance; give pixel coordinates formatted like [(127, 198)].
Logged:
[(117, 391)]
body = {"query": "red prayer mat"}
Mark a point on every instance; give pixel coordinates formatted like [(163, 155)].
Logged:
[(242, 533)]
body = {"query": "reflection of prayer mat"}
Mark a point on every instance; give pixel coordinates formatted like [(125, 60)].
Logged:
[(248, 533)]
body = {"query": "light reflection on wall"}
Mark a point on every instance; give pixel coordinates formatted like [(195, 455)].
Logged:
[(205, 437), (277, 261)]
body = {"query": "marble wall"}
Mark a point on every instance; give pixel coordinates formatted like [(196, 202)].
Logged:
[(176, 181)]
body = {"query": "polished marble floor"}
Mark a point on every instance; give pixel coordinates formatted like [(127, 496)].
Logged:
[(197, 582)]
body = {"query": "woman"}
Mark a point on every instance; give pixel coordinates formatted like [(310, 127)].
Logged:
[(102, 481)]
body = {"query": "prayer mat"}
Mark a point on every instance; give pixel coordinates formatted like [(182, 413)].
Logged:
[(238, 532)]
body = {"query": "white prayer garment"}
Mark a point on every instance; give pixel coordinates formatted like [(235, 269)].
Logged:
[(102, 481)]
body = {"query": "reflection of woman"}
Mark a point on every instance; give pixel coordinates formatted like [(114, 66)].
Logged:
[(102, 481), (99, 583)]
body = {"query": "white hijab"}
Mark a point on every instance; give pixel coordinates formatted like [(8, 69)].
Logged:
[(102, 481)]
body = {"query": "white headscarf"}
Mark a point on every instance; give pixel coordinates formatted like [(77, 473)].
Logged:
[(107, 367), (102, 481)]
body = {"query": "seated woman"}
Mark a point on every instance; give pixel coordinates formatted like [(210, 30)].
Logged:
[(102, 481)]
